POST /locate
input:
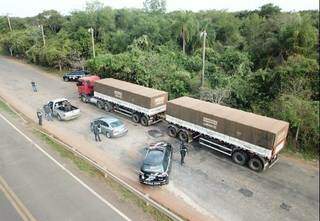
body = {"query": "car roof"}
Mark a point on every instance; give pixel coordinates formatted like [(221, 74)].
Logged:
[(107, 119), (154, 155), (59, 100)]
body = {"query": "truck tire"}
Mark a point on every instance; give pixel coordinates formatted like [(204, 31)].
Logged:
[(172, 131), (240, 157), (100, 104), (84, 98), (184, 136), (144, 120), (136, 117), (256, 164), (108, 107)]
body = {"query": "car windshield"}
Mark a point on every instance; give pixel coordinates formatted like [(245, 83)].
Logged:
[(116, 123), (153, 161)]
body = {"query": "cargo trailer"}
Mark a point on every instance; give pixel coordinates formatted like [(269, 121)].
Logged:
[(142, 104), (248, 138)]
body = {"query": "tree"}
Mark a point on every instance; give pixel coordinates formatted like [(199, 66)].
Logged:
[(155, 5), (269, 10)]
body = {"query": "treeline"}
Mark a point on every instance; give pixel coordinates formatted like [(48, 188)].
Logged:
[(264, 61)]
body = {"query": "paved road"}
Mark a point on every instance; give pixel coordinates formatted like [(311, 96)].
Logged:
[(209, 182), (46, 190)]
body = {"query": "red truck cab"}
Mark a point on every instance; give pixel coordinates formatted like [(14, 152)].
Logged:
[(85, 85)]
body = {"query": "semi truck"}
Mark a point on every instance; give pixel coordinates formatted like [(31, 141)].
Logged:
[(142, 104), (248, 138)]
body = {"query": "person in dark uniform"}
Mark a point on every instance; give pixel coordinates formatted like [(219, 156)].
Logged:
[(39, 115), (34, 87), (96, 132), (183, 152)]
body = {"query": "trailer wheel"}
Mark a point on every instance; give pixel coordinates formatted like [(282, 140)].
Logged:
[(144, 121), (136, 117), (240, 157), (256, 164), (172, 131), (183, 136), (100, 104), (108, 107)]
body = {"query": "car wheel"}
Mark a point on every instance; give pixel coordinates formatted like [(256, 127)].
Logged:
[(172, 131), (59, 117), (240, 157), (144, 121), (136, 117), (100, 105), (66, 79), (108, 135), (183, 136), (256, 164), (167, 181)]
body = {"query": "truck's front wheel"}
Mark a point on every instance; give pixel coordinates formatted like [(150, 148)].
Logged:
[(256, 164), (84, 98)]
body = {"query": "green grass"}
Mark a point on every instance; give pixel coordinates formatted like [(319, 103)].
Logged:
[(79, 162), (307, 155), (84, 166), (5, 108)]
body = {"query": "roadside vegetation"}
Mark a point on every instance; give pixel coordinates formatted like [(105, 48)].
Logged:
[(264, 61)]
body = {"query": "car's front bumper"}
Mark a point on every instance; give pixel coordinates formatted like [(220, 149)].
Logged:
[(156, 181)]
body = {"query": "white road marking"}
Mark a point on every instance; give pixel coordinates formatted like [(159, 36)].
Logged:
[(67, 171)]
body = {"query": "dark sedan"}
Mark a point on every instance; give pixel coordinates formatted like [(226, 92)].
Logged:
[(75, 75), (156, 166)]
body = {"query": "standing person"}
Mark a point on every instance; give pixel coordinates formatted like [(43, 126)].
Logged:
[(183, 151), (34, 87), (50, 113), (46, 111), (39, 115), (96, 132)]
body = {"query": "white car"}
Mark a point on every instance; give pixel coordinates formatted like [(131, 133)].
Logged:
[(63, 110)]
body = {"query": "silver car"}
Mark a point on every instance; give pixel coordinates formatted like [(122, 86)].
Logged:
[(109, 126)]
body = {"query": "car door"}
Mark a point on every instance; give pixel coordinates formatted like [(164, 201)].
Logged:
[(104, 127)]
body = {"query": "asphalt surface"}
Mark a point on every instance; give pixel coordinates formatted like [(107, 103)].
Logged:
[(47, 191), (7, 210), (209, 181)]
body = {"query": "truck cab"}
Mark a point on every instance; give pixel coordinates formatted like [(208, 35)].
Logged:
[(85, 85)]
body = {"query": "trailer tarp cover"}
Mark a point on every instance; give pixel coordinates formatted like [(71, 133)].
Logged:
[(132, 93), (256, 129)]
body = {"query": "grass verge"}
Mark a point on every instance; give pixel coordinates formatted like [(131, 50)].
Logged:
[(5, 108), (307, 155), (84, 166)]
